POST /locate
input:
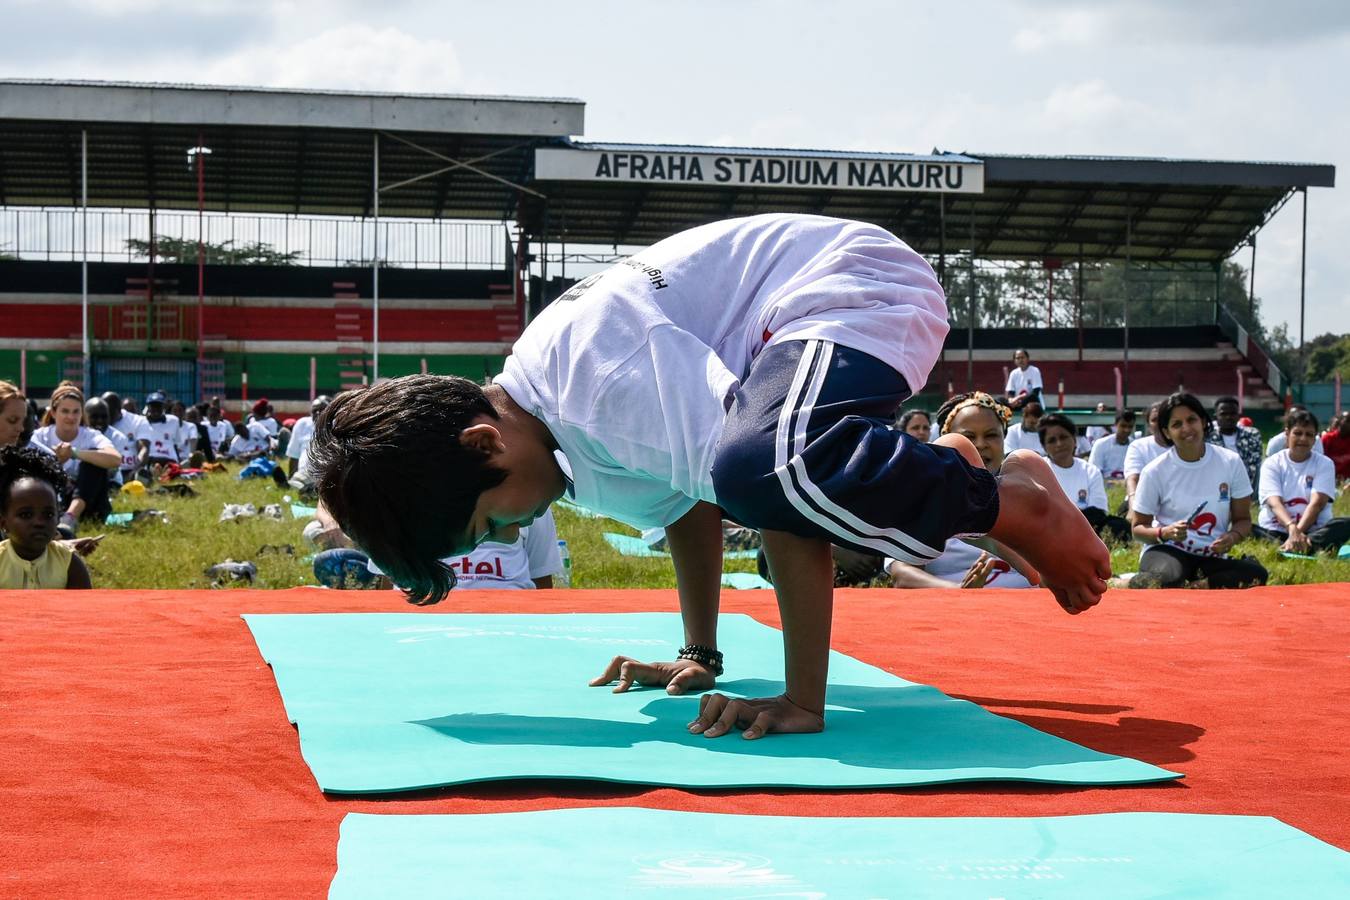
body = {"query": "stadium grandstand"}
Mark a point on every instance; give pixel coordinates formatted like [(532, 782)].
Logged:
[(243, 242)]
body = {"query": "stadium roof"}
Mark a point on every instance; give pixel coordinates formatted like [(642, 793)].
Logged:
[(1029, 207), (447, 156), (277, 151)]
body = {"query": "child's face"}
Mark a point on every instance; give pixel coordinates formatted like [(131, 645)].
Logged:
[(30, 516), (13, 414)]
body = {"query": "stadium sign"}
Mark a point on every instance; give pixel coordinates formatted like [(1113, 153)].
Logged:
[(897, 174)]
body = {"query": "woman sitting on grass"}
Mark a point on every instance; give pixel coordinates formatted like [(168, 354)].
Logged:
[(1298, 487), (1081, 481), (31, 557), (1193, 505), (983, 420)]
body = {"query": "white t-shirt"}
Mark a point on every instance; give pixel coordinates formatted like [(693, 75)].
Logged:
[(301, 435), (1295, 483), (269, 423), (187, 439), (1171, 490), (1281, 440), (632, 369), (127, 423), (1082, 483), (1108, 455), (1141, 452), (493, 565), (1095, 433), (41, 448), (125, 447), (219, 432), (957, 558), (1027, 379), (258, 439), (162, 436), (85, 439), (1019, 439)]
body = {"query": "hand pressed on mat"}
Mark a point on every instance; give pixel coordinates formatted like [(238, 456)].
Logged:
[(679, 677), (718, 714)]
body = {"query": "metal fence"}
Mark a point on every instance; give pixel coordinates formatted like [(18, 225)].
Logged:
[(55, 234)]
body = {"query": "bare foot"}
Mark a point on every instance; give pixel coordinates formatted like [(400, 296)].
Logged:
[(961, 444), (1036, 520)]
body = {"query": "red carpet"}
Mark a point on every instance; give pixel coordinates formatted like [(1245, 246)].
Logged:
[(144, 750)]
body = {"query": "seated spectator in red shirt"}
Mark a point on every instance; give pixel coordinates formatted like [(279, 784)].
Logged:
[(1336, 444)]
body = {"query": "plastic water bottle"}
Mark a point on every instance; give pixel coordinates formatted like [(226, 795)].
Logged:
[(564, 579)]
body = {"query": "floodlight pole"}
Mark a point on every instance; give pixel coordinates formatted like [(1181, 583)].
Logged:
[(375, 269), (86, 347), (200, 162), (1251, 288)]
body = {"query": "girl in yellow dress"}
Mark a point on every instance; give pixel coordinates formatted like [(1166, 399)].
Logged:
[(32, 558)]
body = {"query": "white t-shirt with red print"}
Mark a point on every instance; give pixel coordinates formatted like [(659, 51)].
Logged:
[(1200, 493), (1295, 483)]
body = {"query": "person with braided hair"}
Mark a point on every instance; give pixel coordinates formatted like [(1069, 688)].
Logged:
[(981, 419), (31, 557)]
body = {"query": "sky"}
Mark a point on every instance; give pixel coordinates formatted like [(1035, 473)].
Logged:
[(1240, 79)]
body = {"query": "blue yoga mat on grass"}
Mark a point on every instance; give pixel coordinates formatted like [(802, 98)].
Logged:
[(627, 852), (300, 511), (745, 581), (629, 545), (401, 701)]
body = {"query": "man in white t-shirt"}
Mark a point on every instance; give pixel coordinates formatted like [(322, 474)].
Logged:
[(262, 415), (96, 413), (124, 420), (1297, 489), (1095, 433), (220, 431), (303, 432), (250, 442), (1024, 381), (1025, 435), (1108, 453), (157, 435), (753, 366)]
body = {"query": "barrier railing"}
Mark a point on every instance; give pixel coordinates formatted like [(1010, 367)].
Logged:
[(56, 234)]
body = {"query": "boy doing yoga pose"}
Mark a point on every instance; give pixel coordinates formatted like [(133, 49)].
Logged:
[(750, 368)]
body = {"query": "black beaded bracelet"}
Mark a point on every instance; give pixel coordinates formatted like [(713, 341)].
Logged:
[(704, 656)]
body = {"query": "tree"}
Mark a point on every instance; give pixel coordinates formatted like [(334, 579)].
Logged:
[(180, 250)]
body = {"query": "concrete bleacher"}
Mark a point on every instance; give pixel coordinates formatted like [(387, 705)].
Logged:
[(1198, 359)]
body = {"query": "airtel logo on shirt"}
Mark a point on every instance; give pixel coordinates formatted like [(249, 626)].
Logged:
[(467, 568)]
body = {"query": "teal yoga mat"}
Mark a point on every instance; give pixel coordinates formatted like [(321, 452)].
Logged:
[(628, 545), (626, 852), (300, 511), (745, 581), (1343, 553), (401, 701)]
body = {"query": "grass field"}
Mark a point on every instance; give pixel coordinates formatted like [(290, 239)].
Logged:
[(175, 553)]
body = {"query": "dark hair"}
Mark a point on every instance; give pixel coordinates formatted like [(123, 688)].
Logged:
[(911, 414), (988, 401), (1176, 401), (1232, 400), (1028, 406), (368, 455), (1056, 420), (1125, 415), (25, 462), (1021, 350), (1300, 417)]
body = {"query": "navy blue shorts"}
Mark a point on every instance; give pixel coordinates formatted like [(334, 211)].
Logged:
[(808, 448)]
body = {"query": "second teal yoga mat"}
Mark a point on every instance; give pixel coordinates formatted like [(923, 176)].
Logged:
[(626, 852), (394, 702)]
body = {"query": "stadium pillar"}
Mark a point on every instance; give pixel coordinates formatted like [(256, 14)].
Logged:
[(200, 165), (1078, 304), (375, 264), (942, 241), (1125, 306), (1251, 287), (1302, 294), (970, 319), (85, 344)]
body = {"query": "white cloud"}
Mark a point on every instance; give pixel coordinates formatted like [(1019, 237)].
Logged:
[(349, 57), (1074, 27)]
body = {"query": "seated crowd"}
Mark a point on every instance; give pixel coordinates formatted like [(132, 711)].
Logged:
[(1189, 485)]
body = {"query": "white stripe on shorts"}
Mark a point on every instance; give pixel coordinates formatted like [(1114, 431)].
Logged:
[(819, 509)]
